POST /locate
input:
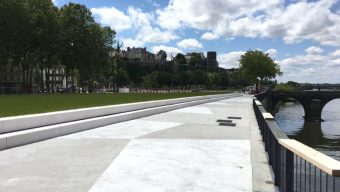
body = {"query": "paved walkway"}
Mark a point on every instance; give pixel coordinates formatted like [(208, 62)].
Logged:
[(181, 150)]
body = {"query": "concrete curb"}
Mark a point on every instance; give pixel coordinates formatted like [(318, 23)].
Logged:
[(23, 137)]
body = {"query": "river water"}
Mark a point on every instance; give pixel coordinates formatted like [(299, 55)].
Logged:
[(322, 136)]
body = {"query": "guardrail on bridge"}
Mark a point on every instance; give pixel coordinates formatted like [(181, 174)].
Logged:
[(296, 166)]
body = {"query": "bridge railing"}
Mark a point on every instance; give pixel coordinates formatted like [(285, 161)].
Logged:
[(296, 167)]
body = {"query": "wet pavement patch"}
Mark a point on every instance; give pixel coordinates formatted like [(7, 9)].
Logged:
[(227, 124), (234, 117), (224, 121)]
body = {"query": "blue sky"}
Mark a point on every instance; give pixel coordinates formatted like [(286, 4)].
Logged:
[(302, 36)]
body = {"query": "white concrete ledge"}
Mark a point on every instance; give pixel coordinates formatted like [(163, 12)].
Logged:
[(268, 116), (2, 142), (320, 160), (17, 123), (18, 138), (258, 103)]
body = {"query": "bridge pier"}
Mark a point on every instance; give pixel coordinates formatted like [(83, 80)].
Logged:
[(313, 110)]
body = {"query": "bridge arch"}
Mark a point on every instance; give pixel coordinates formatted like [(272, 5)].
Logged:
[(332, 102), (282, 104), (275, 105), (313, 102)]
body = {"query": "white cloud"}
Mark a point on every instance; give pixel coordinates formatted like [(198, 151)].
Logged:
[(146, 32), (230, 60), (169, 50), (300, 20), (113, 17), (311, 68), (189, 44), (313, 50), (336, 53), (128, 42), (210, 36), (135, 19), (272, 52)]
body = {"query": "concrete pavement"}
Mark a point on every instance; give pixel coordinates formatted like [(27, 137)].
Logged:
[(181, 150)]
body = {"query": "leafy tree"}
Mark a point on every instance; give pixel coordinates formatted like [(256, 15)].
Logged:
[(200, 77), (151, 80), (180, 59), (223, 79), (13, 20), (293, 83), (256, 66), (185, 78), (123, 77), (28, 28), (196, 61), (76, 22)]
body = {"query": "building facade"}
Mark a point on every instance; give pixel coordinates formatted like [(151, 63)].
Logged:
[(212, 64)]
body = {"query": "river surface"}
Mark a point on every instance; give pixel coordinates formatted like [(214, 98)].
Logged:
[(322, 136)]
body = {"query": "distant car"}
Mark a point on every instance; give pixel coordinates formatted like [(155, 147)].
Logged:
[(61, 90)]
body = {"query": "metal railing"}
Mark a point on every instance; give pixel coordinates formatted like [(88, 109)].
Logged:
[(296, 167)]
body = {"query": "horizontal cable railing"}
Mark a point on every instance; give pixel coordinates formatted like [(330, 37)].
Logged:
[(296, 166)]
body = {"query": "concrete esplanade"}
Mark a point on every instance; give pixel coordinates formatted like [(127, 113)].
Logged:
[(188, 146)]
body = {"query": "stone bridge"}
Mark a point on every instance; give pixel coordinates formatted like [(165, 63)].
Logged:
[(312, 101)]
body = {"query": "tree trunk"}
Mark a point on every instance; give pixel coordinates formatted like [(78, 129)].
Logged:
[(53, 78), (47, 79), (261, 82), (66, 76), (41, 82), (73, 85)]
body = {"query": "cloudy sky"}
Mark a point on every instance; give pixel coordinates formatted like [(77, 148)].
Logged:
[(302, 36)]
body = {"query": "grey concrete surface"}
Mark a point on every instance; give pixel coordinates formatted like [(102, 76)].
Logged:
[(57, 165), (180, 150)]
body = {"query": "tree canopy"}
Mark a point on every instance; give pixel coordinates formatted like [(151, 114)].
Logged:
[(37, 35), (257, 66)]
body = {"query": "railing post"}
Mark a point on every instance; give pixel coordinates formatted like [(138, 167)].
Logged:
[(288, 180), (277, 166)]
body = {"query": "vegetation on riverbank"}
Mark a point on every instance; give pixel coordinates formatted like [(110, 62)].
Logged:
[(289, 86), (12, 105)]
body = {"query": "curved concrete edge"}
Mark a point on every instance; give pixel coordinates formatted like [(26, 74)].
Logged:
[(19, 138), (17, 123)]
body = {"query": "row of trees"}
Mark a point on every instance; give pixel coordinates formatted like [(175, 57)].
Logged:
[(186, 79), (35, 34)]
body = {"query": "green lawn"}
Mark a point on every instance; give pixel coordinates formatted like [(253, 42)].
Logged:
[(12, 105)]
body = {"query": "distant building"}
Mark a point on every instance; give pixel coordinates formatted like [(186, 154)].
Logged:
[(139, 54), (212, 64), (160, 57), (189, 55), (10, 79), (55, 79)]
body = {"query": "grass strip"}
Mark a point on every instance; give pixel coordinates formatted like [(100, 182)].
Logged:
[(12, 105)]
